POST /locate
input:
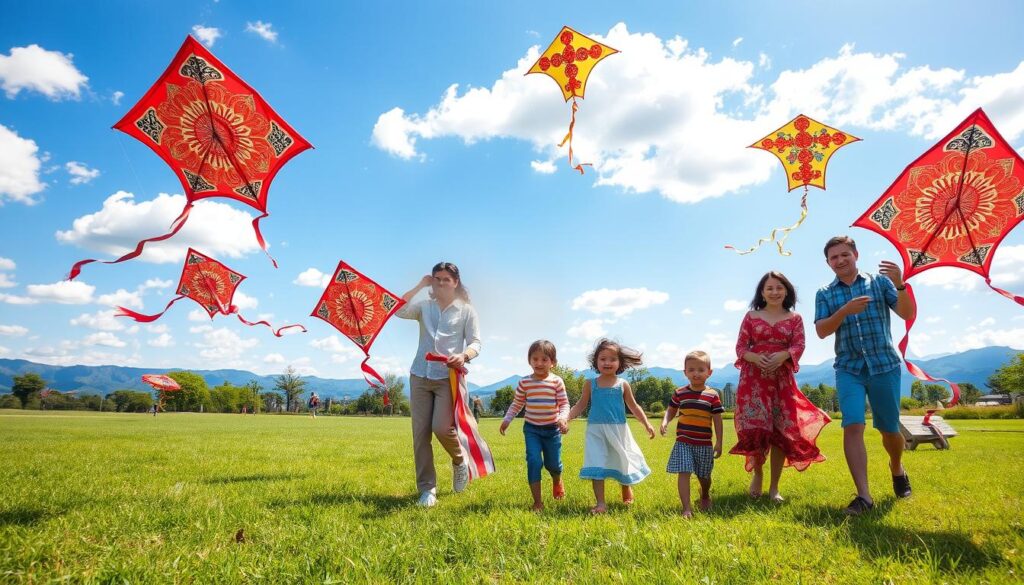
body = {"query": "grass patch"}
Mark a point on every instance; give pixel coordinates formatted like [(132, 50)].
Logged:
[(99, 497)]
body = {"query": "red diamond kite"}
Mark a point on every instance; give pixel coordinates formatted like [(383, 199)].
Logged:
[(215, 132)]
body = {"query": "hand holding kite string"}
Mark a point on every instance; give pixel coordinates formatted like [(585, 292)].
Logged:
[(952, 207), (804, 147), (209, 283), (569, 60), (216, 133)]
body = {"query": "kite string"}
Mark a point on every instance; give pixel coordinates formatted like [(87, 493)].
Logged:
[(776, 231)]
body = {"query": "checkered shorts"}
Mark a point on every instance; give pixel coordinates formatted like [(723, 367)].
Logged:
[(687, 458)]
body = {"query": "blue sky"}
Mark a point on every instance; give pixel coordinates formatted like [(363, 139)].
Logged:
[(431, 145)]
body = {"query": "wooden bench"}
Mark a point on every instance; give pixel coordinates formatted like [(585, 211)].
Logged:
[(916, 432)]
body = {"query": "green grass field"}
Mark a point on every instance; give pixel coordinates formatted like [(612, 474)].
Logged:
[(91, 497)]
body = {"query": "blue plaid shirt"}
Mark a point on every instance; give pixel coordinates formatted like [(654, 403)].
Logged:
[(864, 339)]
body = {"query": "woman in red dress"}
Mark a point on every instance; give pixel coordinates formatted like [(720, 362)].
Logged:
[(772, 415)]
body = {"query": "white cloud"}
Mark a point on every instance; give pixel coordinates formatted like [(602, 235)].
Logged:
[(13, 330), (312, 277), (104, 338), (207, 35), (736, 42), (342, 351), (101, 320), (546, 167), (987, 322), (216, 228), (715, 322), (686, 311), (33, 68), (80, 173), (764, 61), (162, 340), (1000, 337), (6, 282), (199, 316), (735, 305), (263, 29), (590, 329), (639, 136), (224, 347), (116, 97), (155, 283), (932, 320), (158, 328), (17, 300), (121, 298), (7, 264), (244, 301), (273, 358), (19, 168), (64, 292), (618, 302)]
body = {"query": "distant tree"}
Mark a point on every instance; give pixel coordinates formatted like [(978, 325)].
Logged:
[(823, 396), (252, 401), (291, 386), (1009, 378), (10, 401), (396, 393), (634, 375), (969, 393), (227, 398), (193, 396), (27, 386), (271, 401), (502, 399), (573, 382), (130, 400), (370, 402), (928, 394)]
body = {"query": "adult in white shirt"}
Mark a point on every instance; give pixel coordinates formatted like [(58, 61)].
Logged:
[(448, 326)]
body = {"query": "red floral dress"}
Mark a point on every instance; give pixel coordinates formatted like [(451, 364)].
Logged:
[(770, 409)]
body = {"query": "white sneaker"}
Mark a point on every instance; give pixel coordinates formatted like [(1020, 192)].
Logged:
[(460, 477), (427, 499)]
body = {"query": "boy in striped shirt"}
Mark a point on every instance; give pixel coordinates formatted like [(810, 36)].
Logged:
[(698, 408), (547, 407)]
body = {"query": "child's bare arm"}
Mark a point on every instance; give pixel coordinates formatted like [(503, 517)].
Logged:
[(580, 406), (717, 418), (670, 414), (627, 394)]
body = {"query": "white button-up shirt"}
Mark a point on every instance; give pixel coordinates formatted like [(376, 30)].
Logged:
[(447, 332)]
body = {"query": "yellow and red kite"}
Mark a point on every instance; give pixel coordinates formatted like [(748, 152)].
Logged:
[(209, 283), (215, 132), (952, 207), (569, 60), (804, 147)]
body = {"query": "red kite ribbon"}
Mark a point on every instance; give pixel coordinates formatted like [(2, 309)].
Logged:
[(175, 226), (913, 368), (259, 237), (477, 453), (123, 312), (276, 332), (568, 138)]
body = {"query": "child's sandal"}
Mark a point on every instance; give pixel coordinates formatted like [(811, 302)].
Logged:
[(558, 490)]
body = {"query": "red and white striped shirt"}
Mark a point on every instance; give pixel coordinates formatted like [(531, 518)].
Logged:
[(545, 400)]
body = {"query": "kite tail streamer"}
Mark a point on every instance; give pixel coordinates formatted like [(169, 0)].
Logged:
[(568, 138), (1015, 298), (775, 232), (913, 368), (259, 237), (927, 423), (276, 332), (139, 317), (475, 450), (175, 226)]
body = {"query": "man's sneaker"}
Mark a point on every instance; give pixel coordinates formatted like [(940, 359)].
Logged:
[(460, 477), (858, 506), (901, 485), (427, 499)]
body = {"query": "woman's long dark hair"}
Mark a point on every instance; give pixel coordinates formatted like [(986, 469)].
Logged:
[(758, 301), (460, 291)]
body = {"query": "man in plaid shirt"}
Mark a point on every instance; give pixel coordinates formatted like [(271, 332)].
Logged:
[(855, 307)]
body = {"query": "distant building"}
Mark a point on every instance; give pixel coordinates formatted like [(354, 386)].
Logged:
[(994, 400)]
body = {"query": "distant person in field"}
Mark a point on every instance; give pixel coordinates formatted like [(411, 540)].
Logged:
[(773, 418), (448, 326), (700, 412), (855, 307), (609, 451), (543, 396), (478, 408), (314, 403), (155, 407)]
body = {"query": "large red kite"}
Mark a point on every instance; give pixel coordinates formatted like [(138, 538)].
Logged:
[(803, 146), (568, 60), (209, 283), (358, 307), (215, 132), (952, 207)]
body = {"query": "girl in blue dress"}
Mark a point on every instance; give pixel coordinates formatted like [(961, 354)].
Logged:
[(610, 452)]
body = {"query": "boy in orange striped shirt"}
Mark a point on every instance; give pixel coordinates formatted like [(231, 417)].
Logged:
[(699, 408), (547, 407)]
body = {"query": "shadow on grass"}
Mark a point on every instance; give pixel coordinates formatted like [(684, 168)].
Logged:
[(946, 551), (377, 504), (22, 516), (227, 479)]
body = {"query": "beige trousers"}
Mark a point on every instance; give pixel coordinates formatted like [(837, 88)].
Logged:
[(432, 412)]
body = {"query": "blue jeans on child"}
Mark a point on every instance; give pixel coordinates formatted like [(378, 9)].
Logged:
[(543, 449)]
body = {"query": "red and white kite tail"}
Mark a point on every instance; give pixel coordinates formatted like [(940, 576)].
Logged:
[(139, 317), (1015, 298), (773, 236), (474, 449), (259, 237), (913, 368), (375, 380), (175, 226), (568, 138), (276, 332)]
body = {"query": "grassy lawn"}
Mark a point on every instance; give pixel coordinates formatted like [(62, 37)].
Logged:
[(114, 497)]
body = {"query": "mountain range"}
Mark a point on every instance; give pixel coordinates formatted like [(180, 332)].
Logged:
[(974, 366)]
